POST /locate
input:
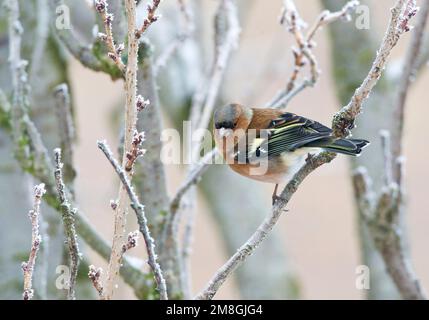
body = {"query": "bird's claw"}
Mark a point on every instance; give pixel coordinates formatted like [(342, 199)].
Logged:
[(276, 198)]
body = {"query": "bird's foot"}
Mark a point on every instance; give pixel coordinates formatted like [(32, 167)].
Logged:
[(276, 198), (309, 158)]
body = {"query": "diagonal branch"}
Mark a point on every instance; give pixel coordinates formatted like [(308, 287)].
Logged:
[(129, 134), (68, 215), (141, 219), (263, 230)]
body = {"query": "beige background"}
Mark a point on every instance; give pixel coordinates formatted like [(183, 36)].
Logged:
[(319, 232)]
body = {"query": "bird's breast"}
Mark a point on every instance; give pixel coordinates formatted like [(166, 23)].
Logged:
[(276, 169)]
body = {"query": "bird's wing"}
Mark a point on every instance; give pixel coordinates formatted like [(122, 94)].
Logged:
[(287, 133)]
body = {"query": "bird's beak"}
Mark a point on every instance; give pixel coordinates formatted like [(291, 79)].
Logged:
[(224, 133)]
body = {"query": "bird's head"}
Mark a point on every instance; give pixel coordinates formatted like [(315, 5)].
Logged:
[(231, 117)]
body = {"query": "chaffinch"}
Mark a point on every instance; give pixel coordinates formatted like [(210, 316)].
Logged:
[(270, 145)]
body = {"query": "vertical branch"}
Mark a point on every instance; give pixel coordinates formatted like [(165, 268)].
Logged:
[(129, 129), (68, 215), (66, 130), (36, 239)]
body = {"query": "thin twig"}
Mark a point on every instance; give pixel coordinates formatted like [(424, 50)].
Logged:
[(169, 52), (68, 216), (36, 240), (151, 18), (193, 177), (180, 39), (141, 219)]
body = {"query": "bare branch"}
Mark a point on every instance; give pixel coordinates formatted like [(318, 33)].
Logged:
[(192, 179), (141, 219), (66, 130), (36, 240), (169, 52), (264, 229), (68, 216), (129, 135), (184, 35), (327, 17)]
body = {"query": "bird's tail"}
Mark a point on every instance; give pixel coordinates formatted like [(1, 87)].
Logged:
[(352, 147)]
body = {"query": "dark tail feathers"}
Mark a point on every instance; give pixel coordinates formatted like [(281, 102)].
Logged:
[(352, 147)]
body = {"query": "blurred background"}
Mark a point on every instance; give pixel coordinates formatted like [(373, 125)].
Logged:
[(316, 246)]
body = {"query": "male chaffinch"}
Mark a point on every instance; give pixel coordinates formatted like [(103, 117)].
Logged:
[(247, 137)]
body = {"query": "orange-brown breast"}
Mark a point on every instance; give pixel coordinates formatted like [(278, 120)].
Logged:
[(273, 171)]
